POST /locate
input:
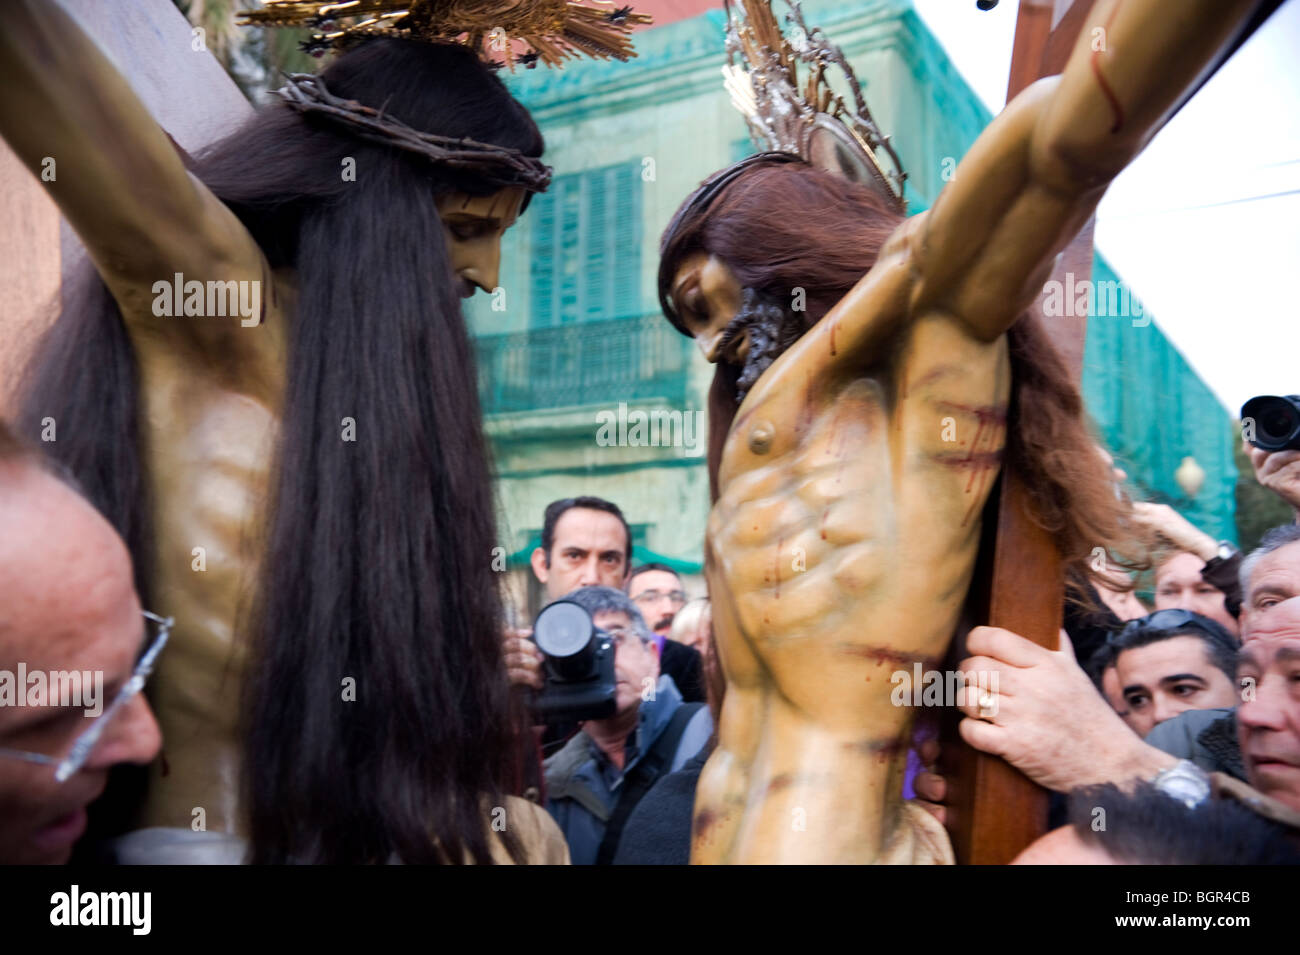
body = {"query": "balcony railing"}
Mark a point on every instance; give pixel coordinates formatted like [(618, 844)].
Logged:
[(582, 363)]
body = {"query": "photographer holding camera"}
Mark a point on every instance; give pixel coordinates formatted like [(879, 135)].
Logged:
[(1270, 430), (605, 662)]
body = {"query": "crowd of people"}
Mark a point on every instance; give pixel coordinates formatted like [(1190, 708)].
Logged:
[(342, 686), (1182, 721)]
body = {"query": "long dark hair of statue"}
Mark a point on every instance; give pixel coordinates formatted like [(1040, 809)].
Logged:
[(377, 557), (789, 225)]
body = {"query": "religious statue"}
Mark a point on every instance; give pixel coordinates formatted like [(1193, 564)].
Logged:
[(874, 375), (264, 379)]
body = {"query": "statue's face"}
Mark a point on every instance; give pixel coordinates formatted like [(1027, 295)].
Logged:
[(708, 296), (474, 226)]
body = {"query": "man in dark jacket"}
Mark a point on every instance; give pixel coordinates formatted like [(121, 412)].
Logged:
[(657, 591), (595, 781), (586, 542)]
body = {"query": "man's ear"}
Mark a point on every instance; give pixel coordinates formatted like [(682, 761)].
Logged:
[(541, 566)]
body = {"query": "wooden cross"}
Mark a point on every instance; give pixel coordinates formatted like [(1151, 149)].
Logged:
[(190, 96), (994, 811)]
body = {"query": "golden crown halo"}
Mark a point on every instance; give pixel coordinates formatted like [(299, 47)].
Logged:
[(551, 31), (806, 118)]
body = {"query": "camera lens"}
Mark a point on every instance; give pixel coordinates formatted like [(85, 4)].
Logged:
[(1276, 421), (562, 629)]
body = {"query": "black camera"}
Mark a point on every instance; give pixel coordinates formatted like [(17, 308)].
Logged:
[(579, 667), (1272, 423)]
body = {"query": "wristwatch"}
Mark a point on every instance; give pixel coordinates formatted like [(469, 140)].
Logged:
[(1223, 554), (1184, 781)]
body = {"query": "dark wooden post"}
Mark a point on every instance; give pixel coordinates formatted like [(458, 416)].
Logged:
[(190, 96), (994, 811)]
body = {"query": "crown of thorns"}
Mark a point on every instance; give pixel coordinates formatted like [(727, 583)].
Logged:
[(499, 165)]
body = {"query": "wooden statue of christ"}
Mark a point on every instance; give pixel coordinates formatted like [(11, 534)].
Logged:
[(845, 530)]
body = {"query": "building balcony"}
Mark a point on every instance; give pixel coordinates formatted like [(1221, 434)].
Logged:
[(582, 363)]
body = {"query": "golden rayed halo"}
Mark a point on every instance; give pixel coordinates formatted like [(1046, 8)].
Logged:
[(550, 30), (805, 117)]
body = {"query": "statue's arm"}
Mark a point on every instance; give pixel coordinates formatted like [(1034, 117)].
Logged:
[(78, 126), (1037, 172)]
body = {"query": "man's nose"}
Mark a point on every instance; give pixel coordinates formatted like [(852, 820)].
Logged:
[(590, 571), (133, 736), (1266, 711), (1165, 707)]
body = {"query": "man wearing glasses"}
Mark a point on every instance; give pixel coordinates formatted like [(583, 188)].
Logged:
[(658, 593), (67, 602), (596, 779)]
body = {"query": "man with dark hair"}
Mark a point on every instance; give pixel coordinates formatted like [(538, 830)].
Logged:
[(1171, 661), (1216, 739), (657, 591), (69, 617), (1110, 826), (557, 509), (586, 541), (1101, 670), (596, 780)]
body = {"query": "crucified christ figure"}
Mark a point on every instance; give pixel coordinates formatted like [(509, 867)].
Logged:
[(854, 443), (300, 471)]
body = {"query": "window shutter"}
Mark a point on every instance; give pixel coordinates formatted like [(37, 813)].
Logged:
[(626, 247)]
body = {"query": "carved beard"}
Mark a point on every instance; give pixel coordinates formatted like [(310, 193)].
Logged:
[(772, 329)]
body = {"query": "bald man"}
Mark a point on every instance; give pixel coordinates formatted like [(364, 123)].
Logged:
[(67, 603)]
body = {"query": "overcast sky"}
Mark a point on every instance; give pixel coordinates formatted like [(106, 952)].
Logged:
[(1205, 225)]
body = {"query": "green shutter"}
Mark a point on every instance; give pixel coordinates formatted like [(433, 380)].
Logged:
[(585, 263), (626, 247), (541, 265)]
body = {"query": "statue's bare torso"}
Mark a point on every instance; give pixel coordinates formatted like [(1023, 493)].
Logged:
[(844, 536), (210, 446), (841, 547)]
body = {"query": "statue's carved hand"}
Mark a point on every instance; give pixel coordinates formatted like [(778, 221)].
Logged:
[(1049, 721)]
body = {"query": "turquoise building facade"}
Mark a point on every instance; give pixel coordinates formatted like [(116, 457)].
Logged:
[(574, 343)]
